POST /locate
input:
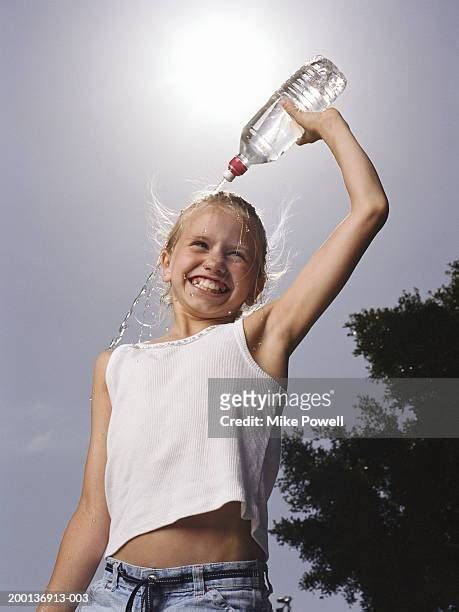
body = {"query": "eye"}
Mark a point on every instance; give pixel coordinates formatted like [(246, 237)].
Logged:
[(238, 253), (203, 244)]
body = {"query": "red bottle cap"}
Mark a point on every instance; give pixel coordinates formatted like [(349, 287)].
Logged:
[(237, 167)]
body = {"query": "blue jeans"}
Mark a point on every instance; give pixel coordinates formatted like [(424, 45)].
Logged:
[(228, 585)]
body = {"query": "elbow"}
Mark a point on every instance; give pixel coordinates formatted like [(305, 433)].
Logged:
[(371, 208), (383, 207), (373, 215), (379, 213), (383, 212)]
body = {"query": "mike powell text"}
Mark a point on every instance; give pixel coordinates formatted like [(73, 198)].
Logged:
[(280, 421)]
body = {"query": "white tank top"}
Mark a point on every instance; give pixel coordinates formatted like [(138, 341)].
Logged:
[(161, 464)]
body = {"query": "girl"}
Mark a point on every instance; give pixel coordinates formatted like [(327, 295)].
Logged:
[(181, 517)]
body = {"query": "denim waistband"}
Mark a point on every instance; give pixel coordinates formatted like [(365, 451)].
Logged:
[(244, 573)]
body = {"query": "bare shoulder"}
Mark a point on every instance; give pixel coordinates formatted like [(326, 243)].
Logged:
[(92, 498), (100, 365), (100, 401), (265, 342)]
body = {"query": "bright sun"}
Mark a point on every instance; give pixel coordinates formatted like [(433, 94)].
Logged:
[(209, 65)]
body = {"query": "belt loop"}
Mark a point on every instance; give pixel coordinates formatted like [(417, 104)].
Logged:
[(260, 571), (198, 580), (115, 575)]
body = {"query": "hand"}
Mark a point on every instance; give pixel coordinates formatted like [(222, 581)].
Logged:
[(313, 123)]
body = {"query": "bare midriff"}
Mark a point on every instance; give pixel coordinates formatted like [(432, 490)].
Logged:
[(211, 537)]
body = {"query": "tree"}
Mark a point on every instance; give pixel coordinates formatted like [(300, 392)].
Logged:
[(378, 519)]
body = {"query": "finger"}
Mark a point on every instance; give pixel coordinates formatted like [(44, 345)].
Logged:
[(290, 107), (295, 113)]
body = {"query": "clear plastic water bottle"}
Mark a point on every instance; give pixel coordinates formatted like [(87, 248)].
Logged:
[(272, 131)]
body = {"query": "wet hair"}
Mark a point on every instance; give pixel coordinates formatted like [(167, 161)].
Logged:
[(250, 220), (164, 227)]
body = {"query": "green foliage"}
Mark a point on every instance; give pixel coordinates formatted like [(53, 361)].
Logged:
[(377, 520), (416, 338)]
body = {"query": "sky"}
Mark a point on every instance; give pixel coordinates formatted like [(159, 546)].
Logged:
[(97, 98)]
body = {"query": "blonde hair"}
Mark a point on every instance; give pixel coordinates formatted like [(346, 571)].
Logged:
[(238, 205), (164, 227)]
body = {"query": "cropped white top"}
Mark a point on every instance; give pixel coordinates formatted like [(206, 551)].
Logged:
[(161, 463)]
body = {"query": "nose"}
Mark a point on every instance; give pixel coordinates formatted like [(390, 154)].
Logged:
[(216, 265)]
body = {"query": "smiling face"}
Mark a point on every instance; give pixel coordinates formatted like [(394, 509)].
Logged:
[(213, 267)]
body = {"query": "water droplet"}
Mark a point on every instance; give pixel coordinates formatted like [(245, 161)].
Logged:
[(220, 185)]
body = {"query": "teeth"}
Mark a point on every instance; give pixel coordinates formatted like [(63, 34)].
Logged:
[(205, 283)]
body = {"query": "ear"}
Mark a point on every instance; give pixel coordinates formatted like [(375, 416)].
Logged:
[(165, 261)]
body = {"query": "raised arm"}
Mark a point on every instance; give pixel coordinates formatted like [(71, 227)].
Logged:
[(294, 313)]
